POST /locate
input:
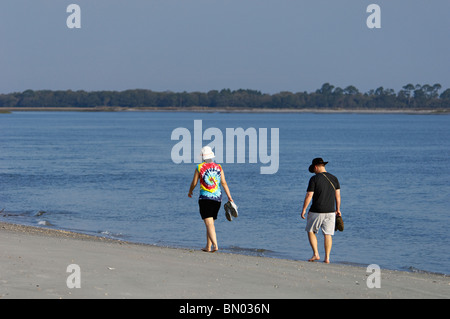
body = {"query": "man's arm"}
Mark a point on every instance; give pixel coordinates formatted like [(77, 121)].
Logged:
[(338, 202), (308, 197)]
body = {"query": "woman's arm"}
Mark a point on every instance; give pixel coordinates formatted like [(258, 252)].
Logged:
[(225, 186), (194, 182)]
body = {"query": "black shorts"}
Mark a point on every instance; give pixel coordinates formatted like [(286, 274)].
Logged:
[(209, 208)]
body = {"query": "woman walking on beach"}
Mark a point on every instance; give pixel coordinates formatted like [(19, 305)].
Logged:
[(211, 177)]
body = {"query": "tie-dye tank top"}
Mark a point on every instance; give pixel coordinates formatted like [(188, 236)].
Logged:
[(210, 181)]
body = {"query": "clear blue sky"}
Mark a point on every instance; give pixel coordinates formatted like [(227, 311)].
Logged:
[(200, 45)]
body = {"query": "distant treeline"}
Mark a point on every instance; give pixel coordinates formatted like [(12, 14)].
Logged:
[(327, 97)]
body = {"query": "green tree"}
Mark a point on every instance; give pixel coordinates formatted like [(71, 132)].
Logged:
[(326, 89), (445, 95), (351, 90)]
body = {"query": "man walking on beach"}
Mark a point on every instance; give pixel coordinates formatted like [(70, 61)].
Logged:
[(325, 192)]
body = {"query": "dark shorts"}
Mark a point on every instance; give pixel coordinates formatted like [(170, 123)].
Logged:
[(209, 208)]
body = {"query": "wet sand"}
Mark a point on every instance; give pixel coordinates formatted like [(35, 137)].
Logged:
[(34, 263)]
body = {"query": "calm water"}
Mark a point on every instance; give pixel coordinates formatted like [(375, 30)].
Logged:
[(112, 174)]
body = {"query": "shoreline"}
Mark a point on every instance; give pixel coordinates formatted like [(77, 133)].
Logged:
[(34, 261), (5, 110), (63, 233), (58, 232), (241, 251)]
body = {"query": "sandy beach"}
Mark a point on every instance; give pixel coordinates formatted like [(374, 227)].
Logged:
[(34, 264)]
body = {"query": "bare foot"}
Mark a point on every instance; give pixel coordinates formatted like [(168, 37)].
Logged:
[(206, 250), (314, 258), (326, 261), (215, 249)]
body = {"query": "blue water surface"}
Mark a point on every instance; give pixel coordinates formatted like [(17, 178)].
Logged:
[(112, 174)]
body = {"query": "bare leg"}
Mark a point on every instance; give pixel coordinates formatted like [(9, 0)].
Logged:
[(313, 242), (208, 243), (211, 239), (328, 242)]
